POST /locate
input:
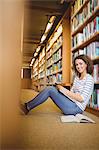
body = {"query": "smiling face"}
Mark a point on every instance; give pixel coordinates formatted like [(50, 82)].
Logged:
[(80, 66)]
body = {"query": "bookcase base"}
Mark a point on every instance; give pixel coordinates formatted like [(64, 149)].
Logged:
[(93, 111)]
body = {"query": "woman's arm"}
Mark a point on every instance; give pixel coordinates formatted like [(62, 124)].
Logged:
[(70, 94)]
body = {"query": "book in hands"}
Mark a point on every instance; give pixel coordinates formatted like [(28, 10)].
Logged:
[(79, 118), (56, 85)]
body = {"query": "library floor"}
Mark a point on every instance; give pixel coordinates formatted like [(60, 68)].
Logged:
[(42, 129)]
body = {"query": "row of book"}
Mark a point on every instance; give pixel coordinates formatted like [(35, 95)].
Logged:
[(41, 74), (35, 74), (49, 54), (55, 57), (35, 64), (76, 6), (88, 31), (96, 73), (49, 62), (94, 101), (55, 37), (53, 49), (42, 54), (92, 50), (91, 29), (54, 68), (81, 17), (41, 68), (42, 81), (57, 66), (54, 78), (42, 62), (57, 44)]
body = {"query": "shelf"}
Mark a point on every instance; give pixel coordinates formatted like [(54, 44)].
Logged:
[(80, 9), (93, 111), (40, 59), (54, 52), (41, 78), (58, 71), (55, 61), (49, 65), (49, 47), (41, 71), (87, 42), (49, 56), (57, 49), (41, 65), (55, 72), (80, 27)]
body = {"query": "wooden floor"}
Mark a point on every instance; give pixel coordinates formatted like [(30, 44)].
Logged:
[(42, 129)]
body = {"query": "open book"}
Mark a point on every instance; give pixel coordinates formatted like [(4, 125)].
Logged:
[(79, 118)]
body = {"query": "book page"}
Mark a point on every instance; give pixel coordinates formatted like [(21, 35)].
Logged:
[(84, 118)]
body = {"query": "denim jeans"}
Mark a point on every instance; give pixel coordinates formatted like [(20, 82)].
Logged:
[(64, 103)]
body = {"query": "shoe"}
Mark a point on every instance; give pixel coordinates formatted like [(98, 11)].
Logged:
[(24, 108)]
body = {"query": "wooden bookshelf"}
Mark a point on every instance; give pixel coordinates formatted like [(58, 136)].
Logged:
[(94, 37), (93, 111), (56, 66), (79, 9), (89, 19), (89, 43)]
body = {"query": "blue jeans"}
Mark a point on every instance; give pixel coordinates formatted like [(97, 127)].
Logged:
[(64, 103)]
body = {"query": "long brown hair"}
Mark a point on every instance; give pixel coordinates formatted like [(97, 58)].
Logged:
[(87, 61)]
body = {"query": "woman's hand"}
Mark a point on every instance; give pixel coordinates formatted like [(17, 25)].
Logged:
[(59, 87), (70, 94)]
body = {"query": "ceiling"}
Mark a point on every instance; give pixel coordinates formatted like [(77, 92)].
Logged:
[(36, 16)]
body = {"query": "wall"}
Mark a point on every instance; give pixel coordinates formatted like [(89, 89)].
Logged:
[(26, 81), (11, 21)]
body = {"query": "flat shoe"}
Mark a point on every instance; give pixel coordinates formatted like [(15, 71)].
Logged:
[(24, 109)]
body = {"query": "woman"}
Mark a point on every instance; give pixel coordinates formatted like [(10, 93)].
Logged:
[(73, 101)]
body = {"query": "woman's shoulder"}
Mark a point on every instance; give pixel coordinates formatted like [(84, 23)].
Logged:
[(90, 77)]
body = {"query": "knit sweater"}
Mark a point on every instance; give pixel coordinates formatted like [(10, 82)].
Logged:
[(85, 88)]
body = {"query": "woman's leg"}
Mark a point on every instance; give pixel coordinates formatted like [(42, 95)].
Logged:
[(66, 105)]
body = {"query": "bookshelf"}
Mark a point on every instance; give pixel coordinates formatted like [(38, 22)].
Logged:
[(54, 57), (34, 75), (38, 71), (58, 55), (53, 63), (85, 40)]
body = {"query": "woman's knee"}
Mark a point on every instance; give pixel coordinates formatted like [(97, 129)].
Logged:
[(68, 112), (51, 88)]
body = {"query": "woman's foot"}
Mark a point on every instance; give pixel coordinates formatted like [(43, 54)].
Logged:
[(24, 108)]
